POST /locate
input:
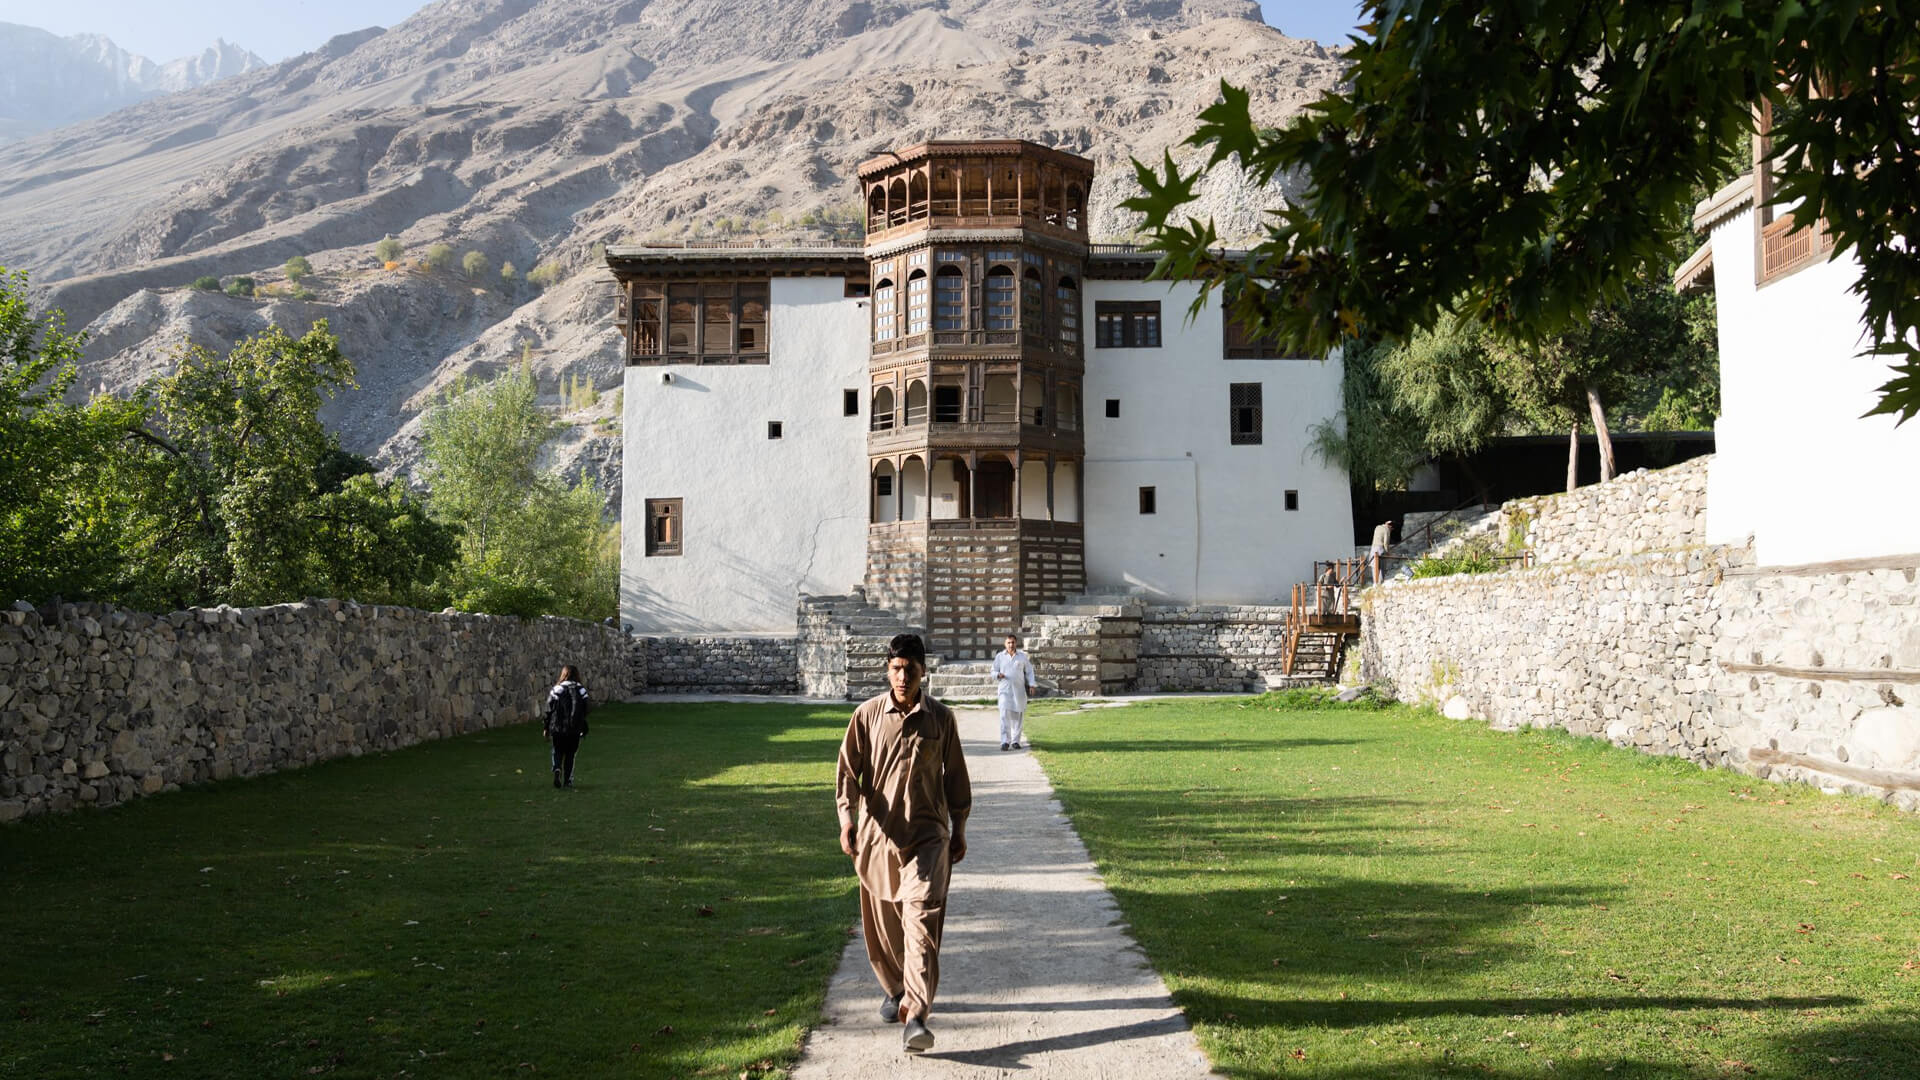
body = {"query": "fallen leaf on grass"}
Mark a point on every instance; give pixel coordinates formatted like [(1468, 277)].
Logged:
[(704, 910), (1805, 928), (1298, 1054), (1898, 876)]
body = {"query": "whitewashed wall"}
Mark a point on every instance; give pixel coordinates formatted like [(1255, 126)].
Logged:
[(1798, 467), (765, 520), (1220, 534)]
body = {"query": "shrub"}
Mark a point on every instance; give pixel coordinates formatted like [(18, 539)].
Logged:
[(302, 293), (509, 273), (1476, 556), (208, 283), (297, 268), (543, 275), (475, 264), (390, 265), (388, 251), (440, 257), (240, 286)]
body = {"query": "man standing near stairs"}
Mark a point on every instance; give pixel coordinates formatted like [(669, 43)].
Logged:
[(1013, 671)]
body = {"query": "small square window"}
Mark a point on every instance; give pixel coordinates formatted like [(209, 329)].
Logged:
[(1293, 500), (849, 403), (883, 486), (1146, 500), (773, 429), (1113, 406)]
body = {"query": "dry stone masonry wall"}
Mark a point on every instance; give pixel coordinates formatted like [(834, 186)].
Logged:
[(720, 665), (1644, 510), (1631, 629), (1213, 648), (100, 704)]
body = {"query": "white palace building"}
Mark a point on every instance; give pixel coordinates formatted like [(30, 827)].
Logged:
[(975, 414)]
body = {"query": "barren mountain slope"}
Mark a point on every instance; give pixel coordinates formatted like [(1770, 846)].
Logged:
[(532, 131)]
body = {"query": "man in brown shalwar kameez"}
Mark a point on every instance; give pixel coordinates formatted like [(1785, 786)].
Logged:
[(903, 796)]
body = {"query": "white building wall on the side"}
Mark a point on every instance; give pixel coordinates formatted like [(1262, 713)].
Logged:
[(764, 519), (1220, 532), (1798, 466)]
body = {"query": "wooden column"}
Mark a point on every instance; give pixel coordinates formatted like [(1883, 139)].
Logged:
[(973, 491), (900, 489), (1018, 461), (1049, 487)]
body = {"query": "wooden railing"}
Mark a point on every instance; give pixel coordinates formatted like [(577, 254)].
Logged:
[(1324, 605)]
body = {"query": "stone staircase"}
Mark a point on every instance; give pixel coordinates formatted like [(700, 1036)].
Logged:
[(843, 645), (1087, 644), (961, 680)]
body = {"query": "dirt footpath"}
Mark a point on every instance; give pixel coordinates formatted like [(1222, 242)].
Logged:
[(1038, 976)]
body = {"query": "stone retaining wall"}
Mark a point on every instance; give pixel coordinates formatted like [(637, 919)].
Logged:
[(1644, 510), (100, 704), (1620, 648), (1212, 648), (720, 665), (1630, 630)]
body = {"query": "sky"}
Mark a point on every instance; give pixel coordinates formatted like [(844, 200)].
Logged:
[(163, 30)]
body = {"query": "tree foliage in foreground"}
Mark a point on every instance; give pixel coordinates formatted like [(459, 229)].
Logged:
[(1516, 163), (531, 543)]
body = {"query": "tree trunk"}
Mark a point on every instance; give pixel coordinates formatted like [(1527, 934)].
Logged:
[(1573, 456), (1600, 430)]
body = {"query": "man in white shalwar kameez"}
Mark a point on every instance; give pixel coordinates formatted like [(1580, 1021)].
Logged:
[(1013, 670)]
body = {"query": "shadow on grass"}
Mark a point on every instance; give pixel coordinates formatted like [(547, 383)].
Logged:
[(443, 906)]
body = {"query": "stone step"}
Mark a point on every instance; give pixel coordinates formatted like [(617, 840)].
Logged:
[(1104, 610)]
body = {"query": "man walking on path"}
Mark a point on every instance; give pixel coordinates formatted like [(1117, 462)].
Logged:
[(1013, 670), (903, 798)]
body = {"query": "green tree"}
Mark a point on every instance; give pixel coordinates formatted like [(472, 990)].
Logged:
[(242, 496), (475, 264), (509, 273), (532, 544), (1519, 162), (543, 275), (297, 268), (440, 256), (207, 283), (388, 250), (52, 538), (240, 286)]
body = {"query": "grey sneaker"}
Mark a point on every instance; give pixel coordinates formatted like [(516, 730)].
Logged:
[(916, 1038), (890, 1009)]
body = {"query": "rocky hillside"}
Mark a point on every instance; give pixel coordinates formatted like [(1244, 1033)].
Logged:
[(47, 81), (533, 130)]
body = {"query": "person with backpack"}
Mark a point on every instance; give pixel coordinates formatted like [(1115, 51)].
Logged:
[(566, 722)]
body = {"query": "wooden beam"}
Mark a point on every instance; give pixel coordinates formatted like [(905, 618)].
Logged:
[(1903, 781), (1828, 674)]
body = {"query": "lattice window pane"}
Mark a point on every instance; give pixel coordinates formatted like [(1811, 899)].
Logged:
[(1243, 407)]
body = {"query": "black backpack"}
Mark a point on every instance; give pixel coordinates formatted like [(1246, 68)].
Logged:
[(567, 712)]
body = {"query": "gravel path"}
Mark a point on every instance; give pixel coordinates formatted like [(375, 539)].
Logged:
[(1038, 975)]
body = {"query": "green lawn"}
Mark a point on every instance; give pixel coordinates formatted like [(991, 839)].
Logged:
[(1361, 893), (443, 911)]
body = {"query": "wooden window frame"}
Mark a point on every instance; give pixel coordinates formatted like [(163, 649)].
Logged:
[(1126, 324), (670, 510), (1242, 397), (649, 322)]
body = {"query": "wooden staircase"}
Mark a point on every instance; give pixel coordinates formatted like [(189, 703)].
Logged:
[(1321, 619)]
